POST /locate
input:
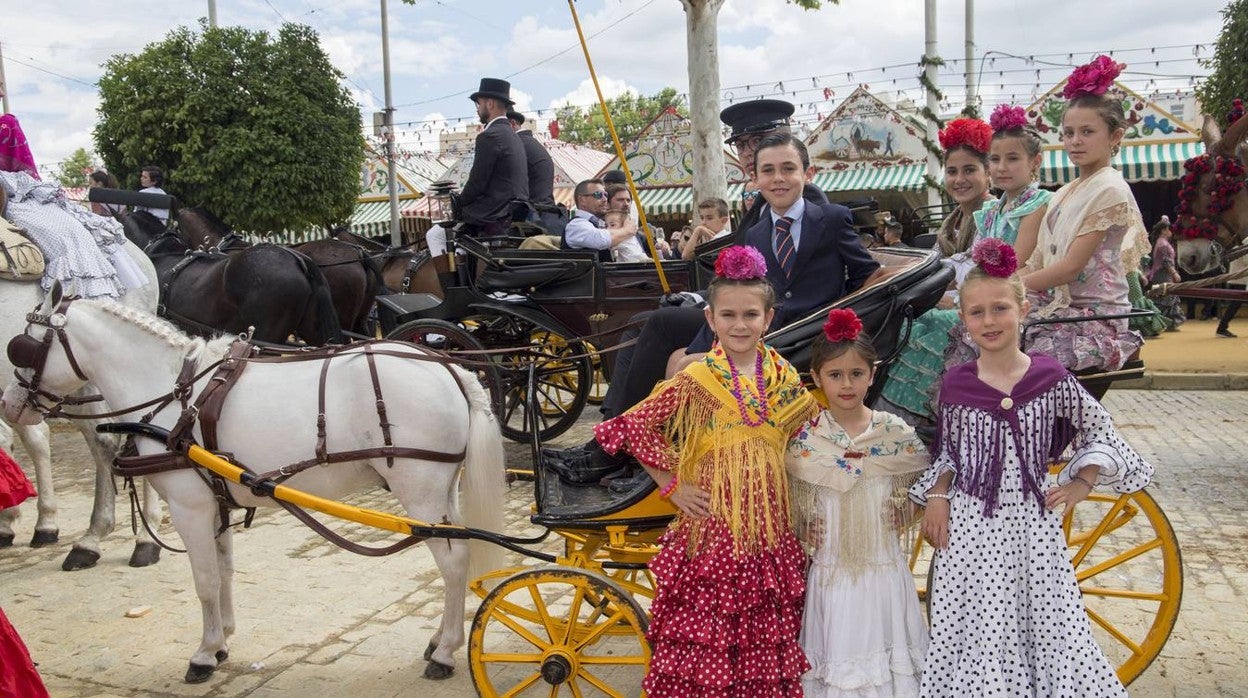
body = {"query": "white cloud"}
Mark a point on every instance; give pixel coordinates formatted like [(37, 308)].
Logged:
[(584, 94)]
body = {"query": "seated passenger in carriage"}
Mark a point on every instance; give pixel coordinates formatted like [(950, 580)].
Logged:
[(588, 229), (499, 172), (813, 258), (78, 246)]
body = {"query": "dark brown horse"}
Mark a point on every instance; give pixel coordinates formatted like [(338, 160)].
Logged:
[(405, 269), (275, 290)]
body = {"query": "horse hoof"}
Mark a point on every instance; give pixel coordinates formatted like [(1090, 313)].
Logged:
[(429, 651), (43, 539), (145, 553), (437, 671), (80, 559), (6, 541), (199, 673), (222, 655)]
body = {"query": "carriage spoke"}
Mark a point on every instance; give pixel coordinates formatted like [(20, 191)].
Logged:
[(598, 630), (1114, 632), (1124, 594), (574, 612), (576, 690), (528, 681), (521, 631), (614, 660), (1118, 559), (508, 658), (542, 613), (1096, 534), (597, 683)]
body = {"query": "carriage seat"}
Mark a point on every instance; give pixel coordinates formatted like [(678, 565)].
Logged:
[(1097, 381), (528, 276), (594, 506)]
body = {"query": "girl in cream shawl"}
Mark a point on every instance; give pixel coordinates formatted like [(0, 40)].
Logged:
[(1091, 235), (849, 470)]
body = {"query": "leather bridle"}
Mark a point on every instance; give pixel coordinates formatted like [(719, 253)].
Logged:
[(31, 353)]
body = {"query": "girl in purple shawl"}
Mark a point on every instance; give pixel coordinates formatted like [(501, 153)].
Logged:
[(1007, 615)]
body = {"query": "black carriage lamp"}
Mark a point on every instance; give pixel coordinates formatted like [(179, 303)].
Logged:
[(443, 194)]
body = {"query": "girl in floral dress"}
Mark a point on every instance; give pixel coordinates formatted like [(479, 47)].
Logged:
[(1089, 237), (918, 367), (849, 468), (1014, 165), (1007, 615), (730, 577)]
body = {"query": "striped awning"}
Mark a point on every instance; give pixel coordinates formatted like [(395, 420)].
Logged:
[(371, 218), (1142, 162), (670, 201), (894, 178)]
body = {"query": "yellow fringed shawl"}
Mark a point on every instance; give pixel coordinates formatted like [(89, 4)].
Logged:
[(707, 443)]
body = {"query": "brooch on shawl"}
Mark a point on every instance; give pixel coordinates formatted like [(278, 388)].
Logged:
[(844, 464)]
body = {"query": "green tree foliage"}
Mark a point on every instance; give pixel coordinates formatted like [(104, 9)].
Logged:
[(630, 112), (1229, 79), (73, 171), (256, 128)]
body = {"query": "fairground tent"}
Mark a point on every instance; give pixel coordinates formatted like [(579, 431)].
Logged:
[(1154, 148), (414, 173), (661, 161)]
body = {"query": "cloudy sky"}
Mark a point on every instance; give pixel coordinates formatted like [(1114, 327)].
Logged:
[(441, 48)]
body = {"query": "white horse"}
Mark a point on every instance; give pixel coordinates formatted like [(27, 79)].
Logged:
[(17, 299), (269, 420)]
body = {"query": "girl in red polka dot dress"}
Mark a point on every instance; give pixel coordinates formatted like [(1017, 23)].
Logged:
[(731, 575)]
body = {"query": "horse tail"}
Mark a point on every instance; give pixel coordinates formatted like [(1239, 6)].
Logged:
[(482, 480), (319, 324)]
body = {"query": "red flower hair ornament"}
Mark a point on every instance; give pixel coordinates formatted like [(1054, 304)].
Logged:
[(741, 263), (1094, 78), (1006, 117), (971, 133), (995, 257), (842, 325)]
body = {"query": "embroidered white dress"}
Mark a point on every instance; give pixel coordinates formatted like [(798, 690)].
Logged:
[(1007, 615), (862, 629)]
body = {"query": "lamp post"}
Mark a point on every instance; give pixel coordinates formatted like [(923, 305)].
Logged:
[(396, 236)]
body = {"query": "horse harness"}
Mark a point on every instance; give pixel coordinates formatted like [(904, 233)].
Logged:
[(28, 352)]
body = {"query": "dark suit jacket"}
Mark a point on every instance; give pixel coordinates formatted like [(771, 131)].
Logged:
[(498, 175), (541, 170), (809, 192), (831, 263)]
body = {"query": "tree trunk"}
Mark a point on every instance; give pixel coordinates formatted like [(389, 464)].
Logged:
[(702, 22)]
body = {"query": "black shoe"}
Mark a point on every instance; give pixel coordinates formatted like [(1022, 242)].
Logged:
[(1223, 332), (571, 452), (629, 483), (587, 469)]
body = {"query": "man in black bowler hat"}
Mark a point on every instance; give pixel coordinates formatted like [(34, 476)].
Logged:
[(499, 172), (751, 122), (541, 176)]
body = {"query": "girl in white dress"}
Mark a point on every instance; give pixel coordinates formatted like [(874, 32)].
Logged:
[(1007, 615), (849, 469)]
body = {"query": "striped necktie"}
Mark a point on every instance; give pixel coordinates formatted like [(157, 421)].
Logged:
[(784, 245)]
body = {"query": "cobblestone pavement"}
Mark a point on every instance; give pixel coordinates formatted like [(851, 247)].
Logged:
[(316, 621)]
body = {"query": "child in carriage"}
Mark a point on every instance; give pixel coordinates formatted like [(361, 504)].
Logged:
[(849, 469), (730, 577), (1007, 615)]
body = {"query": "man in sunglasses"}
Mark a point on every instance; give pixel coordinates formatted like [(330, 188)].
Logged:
[(587, 230)]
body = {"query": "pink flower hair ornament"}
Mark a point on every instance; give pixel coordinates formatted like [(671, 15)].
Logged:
[(1093, 78), (972, 133), (741, 263), (1006, 117), (995, 257), (842, 325)]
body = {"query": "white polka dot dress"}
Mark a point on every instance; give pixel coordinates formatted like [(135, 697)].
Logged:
[(1007, 616)]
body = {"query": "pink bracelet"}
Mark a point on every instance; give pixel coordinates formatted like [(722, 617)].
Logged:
[(669, 488)]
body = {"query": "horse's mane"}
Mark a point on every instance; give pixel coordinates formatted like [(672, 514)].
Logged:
[(204, 351), (215, 225)]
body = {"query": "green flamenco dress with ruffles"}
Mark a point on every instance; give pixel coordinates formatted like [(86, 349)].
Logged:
[(913, 377)]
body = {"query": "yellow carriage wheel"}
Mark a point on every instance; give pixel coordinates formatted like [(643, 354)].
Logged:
[(558, 632), (598, 381), (562, 385), (1127, 562)]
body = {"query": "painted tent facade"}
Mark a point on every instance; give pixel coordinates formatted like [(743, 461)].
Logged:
[(1154, 148), (661, 162)]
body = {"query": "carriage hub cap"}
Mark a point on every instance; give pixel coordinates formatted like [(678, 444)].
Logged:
[(557, 667)]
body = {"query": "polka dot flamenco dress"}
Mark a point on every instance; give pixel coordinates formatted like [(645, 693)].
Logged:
[(1007, 615), (727, 610)]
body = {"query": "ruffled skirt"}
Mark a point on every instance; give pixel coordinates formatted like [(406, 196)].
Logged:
[(865, 635), (15, 488), (915, 375), (725, 624)]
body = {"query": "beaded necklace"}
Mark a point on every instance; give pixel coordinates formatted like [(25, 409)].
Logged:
[(738, 391)]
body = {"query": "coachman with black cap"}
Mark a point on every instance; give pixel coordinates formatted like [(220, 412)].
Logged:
[(751, 122), (499, 172)]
